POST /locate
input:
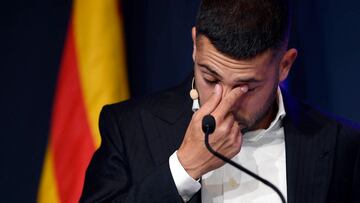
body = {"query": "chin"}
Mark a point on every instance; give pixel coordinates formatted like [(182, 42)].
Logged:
[(243, 123), (247, 124)]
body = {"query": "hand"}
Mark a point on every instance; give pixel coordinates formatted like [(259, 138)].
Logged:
[(226, 139)]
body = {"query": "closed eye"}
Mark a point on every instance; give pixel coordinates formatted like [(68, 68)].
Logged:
[(212, 82), (250, 90)]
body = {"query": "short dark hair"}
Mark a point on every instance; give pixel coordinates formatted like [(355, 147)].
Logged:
[(242, 29)]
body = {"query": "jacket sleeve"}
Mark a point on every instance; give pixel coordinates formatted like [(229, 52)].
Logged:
[(108, 177)]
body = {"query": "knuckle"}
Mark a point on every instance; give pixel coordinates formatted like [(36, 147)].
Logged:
[(223, 129), (236, 128), (229, 122)]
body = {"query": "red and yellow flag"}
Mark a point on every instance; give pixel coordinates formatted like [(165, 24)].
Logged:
[(92, 74)]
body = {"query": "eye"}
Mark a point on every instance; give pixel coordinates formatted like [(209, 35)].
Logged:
[(251, 89), (211, 82)]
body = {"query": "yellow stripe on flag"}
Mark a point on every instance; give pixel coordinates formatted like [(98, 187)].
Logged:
[(101, 58), (48, 188)]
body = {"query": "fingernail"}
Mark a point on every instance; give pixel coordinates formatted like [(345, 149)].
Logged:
[(244, 88), (217, 89)]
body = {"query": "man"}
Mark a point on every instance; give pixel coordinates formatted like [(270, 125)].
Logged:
[(153, 150)]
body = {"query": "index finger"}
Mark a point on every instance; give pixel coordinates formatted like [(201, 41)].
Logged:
[(212, 102), (228, 102)]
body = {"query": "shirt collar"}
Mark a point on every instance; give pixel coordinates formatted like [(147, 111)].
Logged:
[(255, 135)]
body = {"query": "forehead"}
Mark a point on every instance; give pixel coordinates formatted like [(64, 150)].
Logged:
[(207, 53)]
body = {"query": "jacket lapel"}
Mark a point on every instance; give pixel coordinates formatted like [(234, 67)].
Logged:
[(310, 142), (165, 119)]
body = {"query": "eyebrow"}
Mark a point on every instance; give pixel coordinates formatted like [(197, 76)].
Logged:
[(242, 80)]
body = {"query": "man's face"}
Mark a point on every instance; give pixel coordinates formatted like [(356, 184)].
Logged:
[(261, 75)]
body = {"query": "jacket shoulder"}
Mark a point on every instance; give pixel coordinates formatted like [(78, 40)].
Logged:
[(167, 105), (347, 131)]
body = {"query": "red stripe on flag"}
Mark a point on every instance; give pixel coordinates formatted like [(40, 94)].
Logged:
[(72, 143)]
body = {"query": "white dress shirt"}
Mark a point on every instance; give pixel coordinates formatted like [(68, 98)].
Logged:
[(262, 152)]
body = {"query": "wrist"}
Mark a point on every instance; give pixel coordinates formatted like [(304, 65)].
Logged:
[(194, 172)]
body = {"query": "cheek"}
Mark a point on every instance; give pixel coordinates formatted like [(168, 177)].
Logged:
[(251, 102), (204, 96), (204, 90)]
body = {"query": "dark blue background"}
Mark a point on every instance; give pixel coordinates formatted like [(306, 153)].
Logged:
[(158, 37)]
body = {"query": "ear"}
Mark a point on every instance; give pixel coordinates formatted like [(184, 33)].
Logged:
[(286, 63), (193, 35)]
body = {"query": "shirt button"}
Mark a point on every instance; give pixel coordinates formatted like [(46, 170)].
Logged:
[(233, 183)]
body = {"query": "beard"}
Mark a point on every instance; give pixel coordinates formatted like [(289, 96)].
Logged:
[(251, 122)]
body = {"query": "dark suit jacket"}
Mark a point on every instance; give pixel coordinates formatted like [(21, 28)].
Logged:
[(138, 137)]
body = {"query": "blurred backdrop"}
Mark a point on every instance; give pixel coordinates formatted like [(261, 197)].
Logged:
[(158, 53)]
